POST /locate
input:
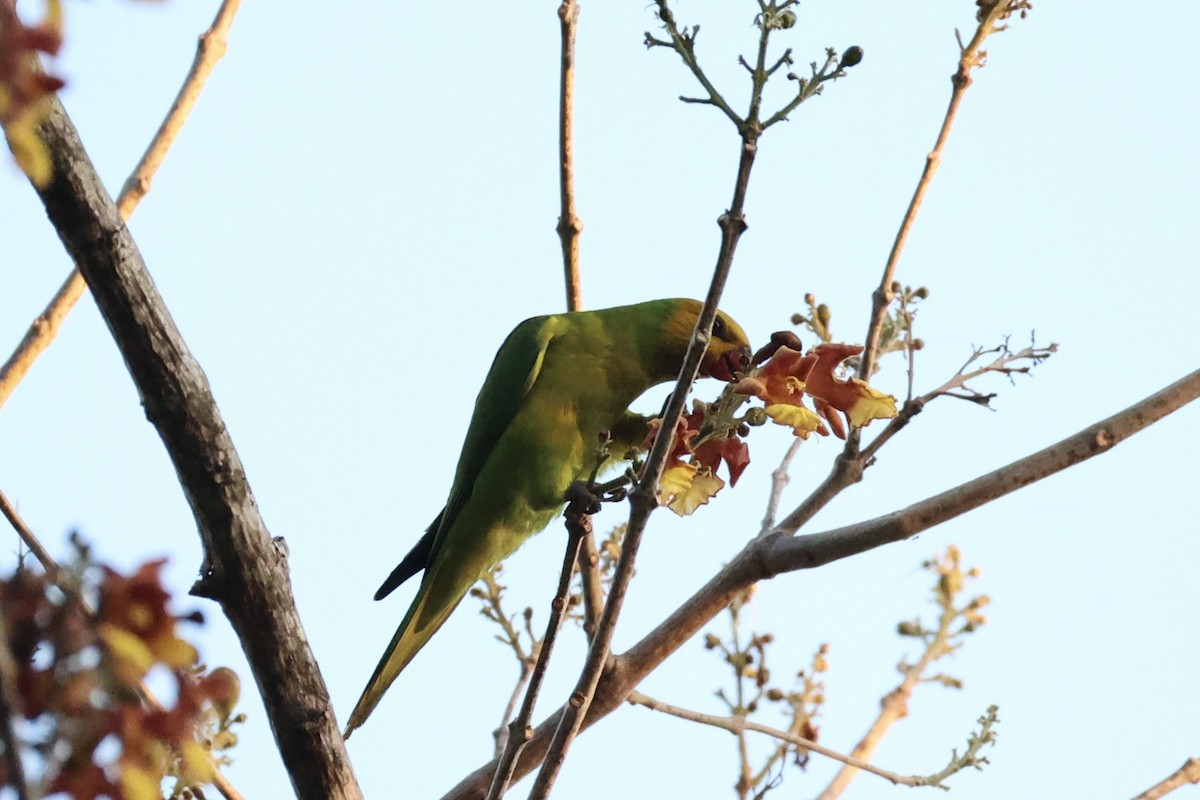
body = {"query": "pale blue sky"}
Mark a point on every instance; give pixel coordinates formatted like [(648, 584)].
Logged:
[(363, 205)]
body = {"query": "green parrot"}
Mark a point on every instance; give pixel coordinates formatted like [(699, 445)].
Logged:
[(555, 384)]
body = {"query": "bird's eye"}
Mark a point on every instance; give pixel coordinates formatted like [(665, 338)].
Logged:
[(719, 328)]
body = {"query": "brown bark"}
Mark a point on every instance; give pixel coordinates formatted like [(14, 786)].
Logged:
[(244, 569)]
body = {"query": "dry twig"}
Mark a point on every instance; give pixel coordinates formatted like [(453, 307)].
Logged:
[(738, 725), (579, 528), (972, 56), (1188, 773), (570, 226)]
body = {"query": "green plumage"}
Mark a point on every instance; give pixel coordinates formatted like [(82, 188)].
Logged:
[(555, 384)]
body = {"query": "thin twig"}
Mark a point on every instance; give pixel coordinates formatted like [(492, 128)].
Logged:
[(570, 226), (971, 57), (502, 730), (738, 725), (41, 333), (493, 608), (54, 571), (764, 558), (520, 730), (779, 480), (591, 586), (30, 538), (684, 44), (1188, 773)]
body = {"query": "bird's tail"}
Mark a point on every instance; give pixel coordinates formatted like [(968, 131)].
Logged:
[(419, 624)]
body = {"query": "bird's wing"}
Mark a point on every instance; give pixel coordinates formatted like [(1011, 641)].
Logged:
[(513, 373)]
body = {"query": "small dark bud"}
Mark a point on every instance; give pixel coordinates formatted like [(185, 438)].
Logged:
[(711, 642), (775, 694), (851, 57), (786, 20)]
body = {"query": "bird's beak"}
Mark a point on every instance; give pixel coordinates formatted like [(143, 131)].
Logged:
[(728, 363)]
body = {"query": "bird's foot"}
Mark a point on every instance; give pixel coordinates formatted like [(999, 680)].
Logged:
[(581, 499)]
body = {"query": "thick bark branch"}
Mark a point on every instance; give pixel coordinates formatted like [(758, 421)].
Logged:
[(244, 569), (767, 556)]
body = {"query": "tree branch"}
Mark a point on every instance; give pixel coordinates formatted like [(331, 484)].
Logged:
[(244, 569), (570, 226), (972, 56), (768, 556), (738, 724), (1188, 773), (579, 528)]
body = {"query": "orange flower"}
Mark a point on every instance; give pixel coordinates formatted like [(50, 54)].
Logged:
[(689, 479), (136, 626), (783, 381)]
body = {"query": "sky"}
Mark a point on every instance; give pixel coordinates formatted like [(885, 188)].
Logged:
[(363, 205)]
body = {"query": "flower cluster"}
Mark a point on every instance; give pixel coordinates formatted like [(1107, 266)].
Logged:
[(712, 433), (79, 686), (788, 376)]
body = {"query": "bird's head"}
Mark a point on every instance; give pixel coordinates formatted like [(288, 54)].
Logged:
[(728, 350)]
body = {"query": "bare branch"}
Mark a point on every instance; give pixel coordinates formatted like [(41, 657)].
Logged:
[(579, 528), (591, 586), (684, 43), (972, 56), (779, 481), (739, 724), (570, 226), (1188, 773)]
